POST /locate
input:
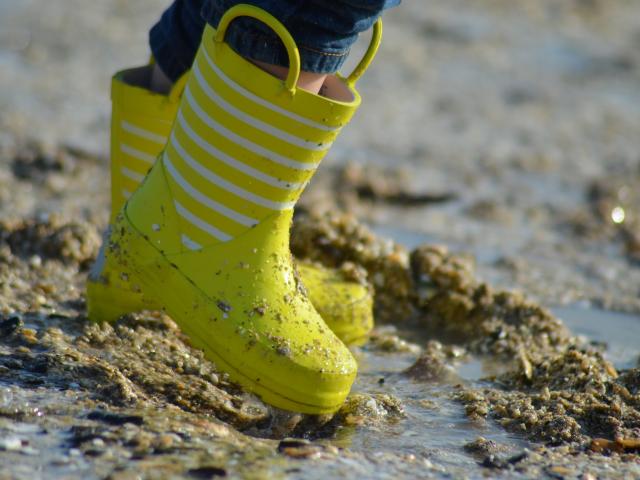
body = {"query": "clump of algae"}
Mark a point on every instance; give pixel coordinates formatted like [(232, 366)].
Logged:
[(556, 389)]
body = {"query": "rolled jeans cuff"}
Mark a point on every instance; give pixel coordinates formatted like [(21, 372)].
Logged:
[(252, 39), (324, 31)]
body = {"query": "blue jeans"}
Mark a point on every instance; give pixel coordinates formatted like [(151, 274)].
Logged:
[(324, 31)]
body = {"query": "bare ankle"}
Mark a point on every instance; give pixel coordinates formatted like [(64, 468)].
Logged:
[(310, 81)]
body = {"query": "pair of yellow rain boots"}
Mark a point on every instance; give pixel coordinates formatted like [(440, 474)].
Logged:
[(204, 235)]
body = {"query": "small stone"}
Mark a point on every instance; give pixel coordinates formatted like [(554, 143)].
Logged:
[(481, 446), (562, 471), (40, 299), (167, 441), (141, 442), (218, 429), (35, 261), (299, 448), (97, 442), (29, 335)]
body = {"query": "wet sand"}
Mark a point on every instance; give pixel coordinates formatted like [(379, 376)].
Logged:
[(507, 132)]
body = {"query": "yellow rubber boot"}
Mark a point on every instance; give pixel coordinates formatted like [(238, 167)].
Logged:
[(345, 306), (141, 121), (141, 124), (206, 235)]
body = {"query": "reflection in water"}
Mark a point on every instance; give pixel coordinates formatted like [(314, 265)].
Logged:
[(435, 426)]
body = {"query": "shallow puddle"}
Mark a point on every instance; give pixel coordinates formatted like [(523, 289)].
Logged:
[(617, 332), (435, 426), (32, 444)]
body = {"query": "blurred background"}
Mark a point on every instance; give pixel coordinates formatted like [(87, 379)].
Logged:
[(510, 130)]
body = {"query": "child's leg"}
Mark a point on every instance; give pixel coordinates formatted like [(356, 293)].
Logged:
[(174, 40), (323, 29)]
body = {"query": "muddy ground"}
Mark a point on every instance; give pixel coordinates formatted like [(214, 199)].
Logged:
[(490, 179)]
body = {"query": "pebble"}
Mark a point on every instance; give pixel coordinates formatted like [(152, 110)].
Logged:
[(40, 299), (167, 440), (97, 442), (293, 443), (29, 335), (299, 448), (562, 471), (35, 261)]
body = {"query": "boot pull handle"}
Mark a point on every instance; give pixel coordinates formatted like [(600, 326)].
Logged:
[(244, 10), (369, 55)]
